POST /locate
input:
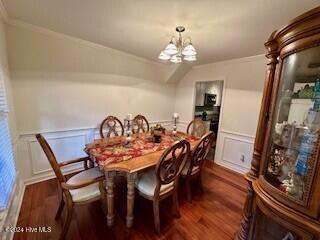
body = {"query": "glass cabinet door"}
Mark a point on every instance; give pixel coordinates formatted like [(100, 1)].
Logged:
[(295, 126)]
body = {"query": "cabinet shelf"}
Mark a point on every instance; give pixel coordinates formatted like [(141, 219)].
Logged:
[(294, 148)]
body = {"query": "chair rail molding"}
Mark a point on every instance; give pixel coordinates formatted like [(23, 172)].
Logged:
[(66, 144)]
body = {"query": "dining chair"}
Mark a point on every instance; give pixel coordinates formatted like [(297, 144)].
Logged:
[(82, 188), (194, 165), (109, 126), (197, 127), (140, 124), (162, 182)]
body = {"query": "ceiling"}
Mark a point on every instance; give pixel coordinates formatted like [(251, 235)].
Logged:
[(220, 29)]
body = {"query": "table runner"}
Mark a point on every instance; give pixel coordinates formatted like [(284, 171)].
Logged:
[(114, 150)]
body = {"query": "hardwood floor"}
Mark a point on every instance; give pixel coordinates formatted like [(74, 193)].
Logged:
[(216, 214)]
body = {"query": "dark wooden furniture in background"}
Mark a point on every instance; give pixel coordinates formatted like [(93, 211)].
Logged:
[(162, 182), (194, 165), (140, 124), (197, 127), (275, 208), (110, 124), (83, 188)]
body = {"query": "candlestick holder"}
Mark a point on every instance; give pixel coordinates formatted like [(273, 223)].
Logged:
[(128, 129), (175, 118)]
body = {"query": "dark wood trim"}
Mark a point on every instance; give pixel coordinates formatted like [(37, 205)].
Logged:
[(301, 33)]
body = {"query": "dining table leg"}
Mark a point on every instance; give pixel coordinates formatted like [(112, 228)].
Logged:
[(131, 179), (110, 197)]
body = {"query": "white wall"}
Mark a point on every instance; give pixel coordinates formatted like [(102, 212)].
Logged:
[(60, 83), (241, 101), (65, 87)]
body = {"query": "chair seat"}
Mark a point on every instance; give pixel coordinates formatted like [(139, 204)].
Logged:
[(88, 192), (195, 169), (147, 182)]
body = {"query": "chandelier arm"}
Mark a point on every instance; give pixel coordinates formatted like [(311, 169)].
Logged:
[(185, 40), (173, 39)]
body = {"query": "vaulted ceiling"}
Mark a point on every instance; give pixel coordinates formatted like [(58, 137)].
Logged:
[(220, 29)]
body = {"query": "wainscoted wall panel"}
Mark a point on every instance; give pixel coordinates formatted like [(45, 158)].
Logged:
[(182, 126), (234, 150), (66, 145)]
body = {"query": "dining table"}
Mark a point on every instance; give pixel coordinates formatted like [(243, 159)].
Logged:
[(130, 156)]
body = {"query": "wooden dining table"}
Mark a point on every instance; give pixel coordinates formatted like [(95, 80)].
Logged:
[(108, 154)]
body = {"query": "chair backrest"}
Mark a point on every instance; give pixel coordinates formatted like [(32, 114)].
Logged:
[(197, 127), (140, 124), (51, 157), (171, 163), (201, 151), (109, 126)]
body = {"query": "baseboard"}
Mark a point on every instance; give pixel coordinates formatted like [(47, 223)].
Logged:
[(232, 167)]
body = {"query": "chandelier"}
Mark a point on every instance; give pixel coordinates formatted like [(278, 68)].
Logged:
[(179, 49)]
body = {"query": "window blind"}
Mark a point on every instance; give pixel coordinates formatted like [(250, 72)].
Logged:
[(7, 168), (3, 101)]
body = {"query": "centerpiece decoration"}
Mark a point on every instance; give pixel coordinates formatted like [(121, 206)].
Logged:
[(156, 132)]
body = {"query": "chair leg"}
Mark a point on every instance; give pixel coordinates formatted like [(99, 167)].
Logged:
[(67, 222), (60, 208), (188, 185), (176, 203), (156, 215)]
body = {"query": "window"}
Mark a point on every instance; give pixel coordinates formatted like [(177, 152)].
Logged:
[(7, 168)]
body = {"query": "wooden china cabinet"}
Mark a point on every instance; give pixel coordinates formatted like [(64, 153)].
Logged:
[(283, 199)]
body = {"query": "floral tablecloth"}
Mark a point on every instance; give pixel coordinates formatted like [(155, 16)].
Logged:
[(114, 150)]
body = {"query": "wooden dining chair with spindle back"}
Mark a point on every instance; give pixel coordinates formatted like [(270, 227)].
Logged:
[(162, 182), (82, 188), (140, 124), (194, 165), (111, 126), (197, 127)]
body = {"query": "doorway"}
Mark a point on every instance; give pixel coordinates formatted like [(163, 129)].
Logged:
[(208, 101)]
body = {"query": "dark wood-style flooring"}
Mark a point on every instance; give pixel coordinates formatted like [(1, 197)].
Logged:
[(216, 214)]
